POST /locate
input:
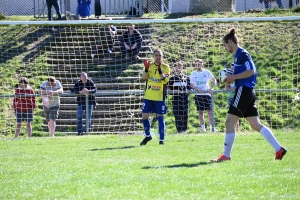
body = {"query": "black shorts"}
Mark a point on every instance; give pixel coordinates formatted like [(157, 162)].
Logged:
[(243, 103), (203, 102)]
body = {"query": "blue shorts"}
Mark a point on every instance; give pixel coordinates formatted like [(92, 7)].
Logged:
[(158, 107), (24, 116)]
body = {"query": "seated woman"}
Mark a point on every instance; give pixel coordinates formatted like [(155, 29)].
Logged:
[(84, 8), (131, 42)]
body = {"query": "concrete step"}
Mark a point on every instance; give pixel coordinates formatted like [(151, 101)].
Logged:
[(105, 113), (99, 121), (102, 128), (107, 100), (104, 80), (109, 86), (100, 107)]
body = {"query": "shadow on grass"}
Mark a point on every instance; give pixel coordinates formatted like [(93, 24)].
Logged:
[(188, 165), (115, 148)]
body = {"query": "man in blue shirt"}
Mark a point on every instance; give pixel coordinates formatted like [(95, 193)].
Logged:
[(243, 102)]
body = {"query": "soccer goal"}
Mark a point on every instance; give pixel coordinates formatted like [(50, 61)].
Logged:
[(65, 49)]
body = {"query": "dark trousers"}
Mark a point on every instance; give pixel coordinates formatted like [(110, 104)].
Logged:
[(267, 3), (291, 3), (131, 51), (180, 112), (53, 3), (97, 8)]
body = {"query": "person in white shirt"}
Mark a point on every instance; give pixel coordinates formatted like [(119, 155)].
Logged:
[(203, 82)]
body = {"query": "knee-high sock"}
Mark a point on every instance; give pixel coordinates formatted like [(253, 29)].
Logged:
[(161, 127), (268, 135), (146, 124), (228, 143)]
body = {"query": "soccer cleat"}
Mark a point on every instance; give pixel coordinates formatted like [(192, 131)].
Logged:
[(220, 159), (279, 154), (161, 143), (145, 140)]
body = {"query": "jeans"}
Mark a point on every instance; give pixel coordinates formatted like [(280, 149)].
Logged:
[(267, 3), (80, 110), (53, 3)]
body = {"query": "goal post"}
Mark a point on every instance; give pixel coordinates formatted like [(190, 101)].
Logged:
[(65, 49)]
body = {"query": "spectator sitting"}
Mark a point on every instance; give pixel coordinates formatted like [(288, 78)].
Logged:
[(131, 42), (111, 38), (84, 8), (24, 106)]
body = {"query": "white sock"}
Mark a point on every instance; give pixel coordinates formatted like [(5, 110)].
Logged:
[(268, 135), (228, 143)]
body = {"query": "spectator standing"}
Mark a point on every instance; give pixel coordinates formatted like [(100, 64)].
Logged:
[(180, 84), (203, 82), (131, 42), (83, 87), (50, 91), (55, 4), (24, 106), (97, 9), (267, 3), (84, 8), (157, 76)]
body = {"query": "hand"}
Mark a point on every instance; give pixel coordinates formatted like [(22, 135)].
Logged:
[(127, 47), (50, 92), (147, 65), (229, 79), (134, 46)]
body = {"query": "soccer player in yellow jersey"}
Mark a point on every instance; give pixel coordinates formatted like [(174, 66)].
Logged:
[(157, 75)]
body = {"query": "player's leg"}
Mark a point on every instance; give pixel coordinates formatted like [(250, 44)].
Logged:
[(146, 110), (268, 135), (161, 109)]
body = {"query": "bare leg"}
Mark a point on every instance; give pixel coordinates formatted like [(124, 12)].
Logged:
[(51, 126), (29, 129), (18, 129)]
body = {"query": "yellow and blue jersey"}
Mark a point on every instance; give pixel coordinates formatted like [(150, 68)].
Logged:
[(156, 88)]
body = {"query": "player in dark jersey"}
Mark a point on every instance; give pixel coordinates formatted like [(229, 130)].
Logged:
[(180, 84), (243, 102)]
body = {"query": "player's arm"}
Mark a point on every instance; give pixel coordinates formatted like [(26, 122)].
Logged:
[(146, 71), (164, 77)]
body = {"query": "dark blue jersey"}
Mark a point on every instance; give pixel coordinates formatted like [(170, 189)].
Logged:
[(243, 62)]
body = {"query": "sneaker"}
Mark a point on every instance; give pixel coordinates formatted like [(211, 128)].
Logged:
[(279, 154), (161, 143), (145, 140), (220, 159), (202, 130), (109, 51)]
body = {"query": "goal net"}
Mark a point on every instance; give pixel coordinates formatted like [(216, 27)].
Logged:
[(38, 50)]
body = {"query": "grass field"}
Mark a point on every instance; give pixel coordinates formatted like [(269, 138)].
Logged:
[(116, 167)]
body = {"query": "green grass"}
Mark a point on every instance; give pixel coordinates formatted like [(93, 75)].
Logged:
[(116, 167)]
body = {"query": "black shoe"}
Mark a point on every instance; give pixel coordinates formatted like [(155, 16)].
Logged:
[(161, 142), (145, 140)]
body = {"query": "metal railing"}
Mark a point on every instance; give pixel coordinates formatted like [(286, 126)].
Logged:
[(38, 8)]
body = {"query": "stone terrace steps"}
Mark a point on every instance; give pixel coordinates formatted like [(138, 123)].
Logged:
[(73, 50)]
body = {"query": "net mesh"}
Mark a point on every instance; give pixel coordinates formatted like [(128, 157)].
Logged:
[(40, 51)]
